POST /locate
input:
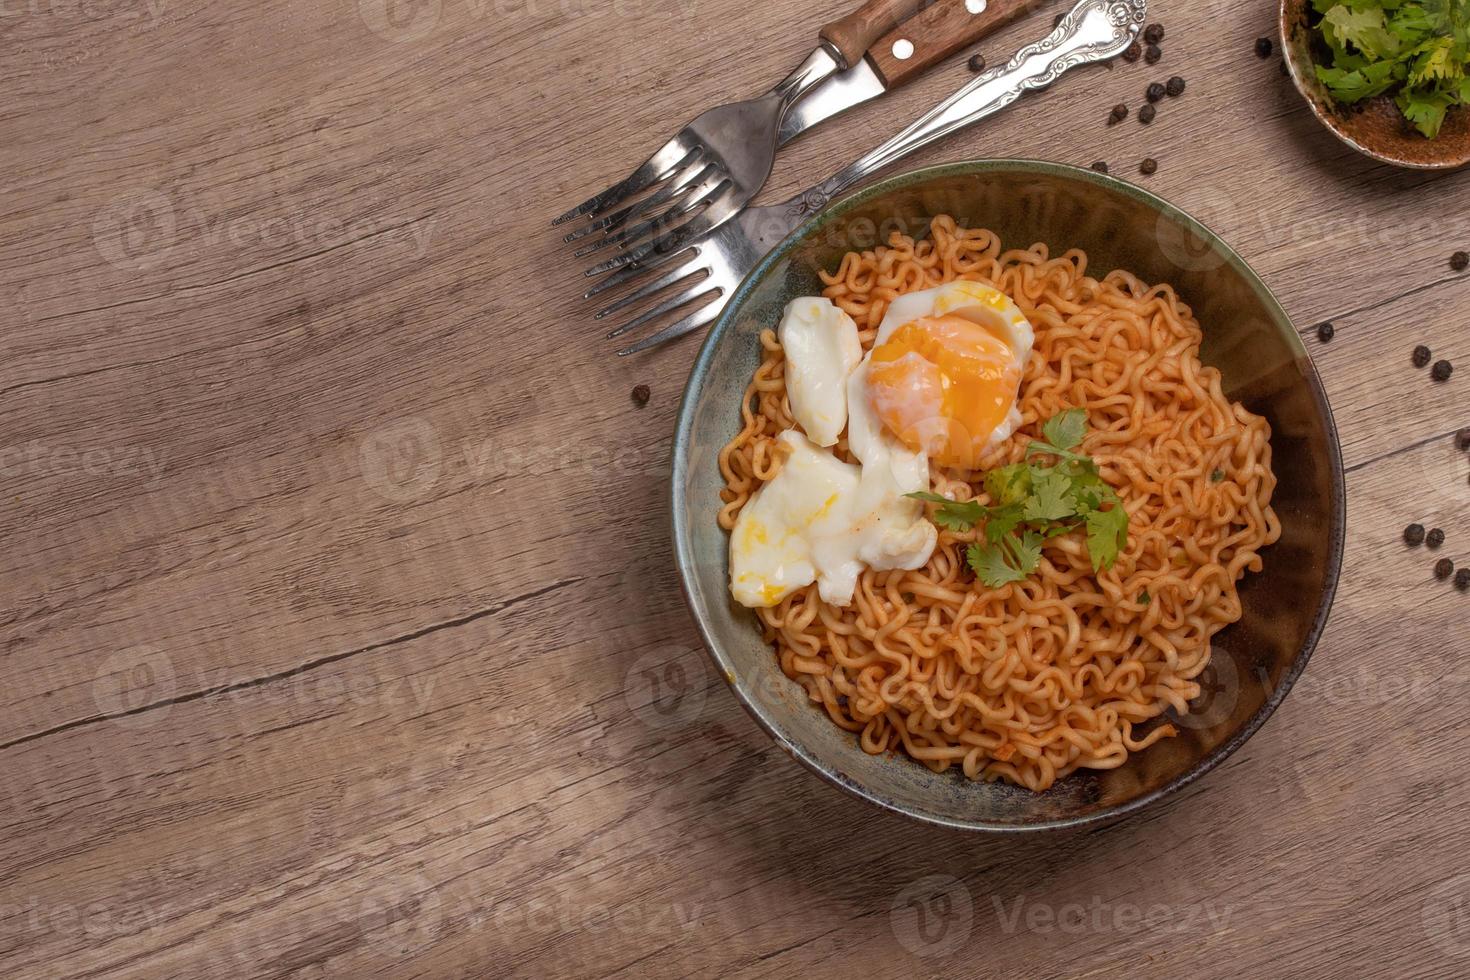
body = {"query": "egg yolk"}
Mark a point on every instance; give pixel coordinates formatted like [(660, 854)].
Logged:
[(942, 385)]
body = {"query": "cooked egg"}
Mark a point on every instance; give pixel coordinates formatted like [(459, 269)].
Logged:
[(896, 534), (822, 347), (945, 371), (941, 381), (791, 532), (822, 520)]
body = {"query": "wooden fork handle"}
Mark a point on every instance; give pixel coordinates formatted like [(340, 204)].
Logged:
[(854, 34), (938, 32)]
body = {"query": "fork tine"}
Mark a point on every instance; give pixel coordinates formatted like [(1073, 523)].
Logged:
[(674, 240), (690, 323), (630, 272), (635, 255), (653, 288), (664, 161), (686, 200), (671, 187), (600, 224), (698, 197), (667, 306), (695, 264)]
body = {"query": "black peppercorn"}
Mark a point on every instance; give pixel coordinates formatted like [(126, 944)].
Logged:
[(1133, 52), (1263, 47), (1414, 534), (1148, 166), (1119, 113), (1460, 261), (1443, 568), (1152, 54), (1153, 33), (977, 62), (1434, 538), (1175, 86), (1101, 166), (1146, 114), (1421, 355), (1462, 438), (1326, 331), (641, 394), (1441, 370), (1462, 579), (1154, 92)]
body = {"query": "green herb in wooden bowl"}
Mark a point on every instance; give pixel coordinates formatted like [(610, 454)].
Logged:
[(1418, 51)]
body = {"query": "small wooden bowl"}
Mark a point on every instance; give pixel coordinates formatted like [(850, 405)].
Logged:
[(1374, 127)]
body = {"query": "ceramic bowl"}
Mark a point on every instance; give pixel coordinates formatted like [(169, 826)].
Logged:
[(1246, 335), (1374, 127)]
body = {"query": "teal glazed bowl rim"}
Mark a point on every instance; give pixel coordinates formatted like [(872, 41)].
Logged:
[(713, 346)]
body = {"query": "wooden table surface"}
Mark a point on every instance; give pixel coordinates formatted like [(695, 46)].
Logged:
[(341, 634)]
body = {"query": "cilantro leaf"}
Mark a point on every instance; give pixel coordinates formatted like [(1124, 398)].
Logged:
[(1049, 498), (1026, 550), (991, 565), (956, 515), (1038, 447), (1354, 86), (1144, 598), (1426, 110), (1413, 24), (1107, 532), (1365, 29), (1089, 491), (1065, 430), (1435, 63), (1004, 520)]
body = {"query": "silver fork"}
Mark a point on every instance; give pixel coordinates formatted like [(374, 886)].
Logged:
[(1093, 31), (721, 159)]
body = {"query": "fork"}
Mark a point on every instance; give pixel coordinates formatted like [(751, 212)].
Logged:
[(907, 51), (1092, 31), (723, 156)]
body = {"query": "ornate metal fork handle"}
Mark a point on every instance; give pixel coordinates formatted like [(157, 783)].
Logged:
[(1094, 30)]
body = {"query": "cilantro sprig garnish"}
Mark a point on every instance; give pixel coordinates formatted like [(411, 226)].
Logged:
[(1418, 49), (1033, 500)]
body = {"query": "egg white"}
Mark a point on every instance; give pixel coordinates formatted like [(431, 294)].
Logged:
[(820, 519), (822, 347)]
